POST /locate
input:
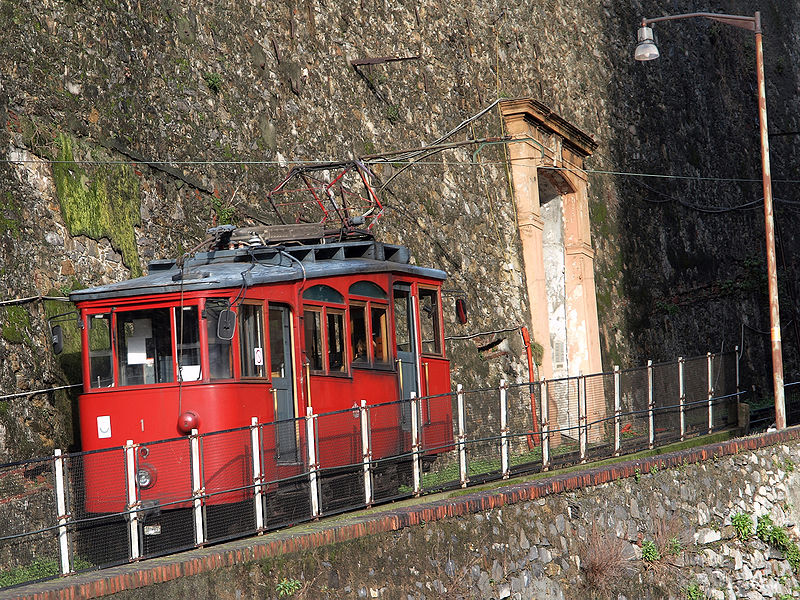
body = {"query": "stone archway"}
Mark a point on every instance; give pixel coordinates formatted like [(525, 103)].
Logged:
[(550, 194)]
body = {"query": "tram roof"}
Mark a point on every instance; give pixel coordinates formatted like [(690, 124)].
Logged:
[(262, 265)]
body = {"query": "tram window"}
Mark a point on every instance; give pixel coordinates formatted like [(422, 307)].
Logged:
[(313, 330), (336, 344), (358, 333), (144, 346), (380, 344), (402, 324), (323, 293), (367, 289), (188, 336), (101, 365), (219, 350), (279, 345), (429, 321), (251, 340)]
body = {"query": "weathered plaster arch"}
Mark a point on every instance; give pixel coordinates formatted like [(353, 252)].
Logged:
[(547, 163)]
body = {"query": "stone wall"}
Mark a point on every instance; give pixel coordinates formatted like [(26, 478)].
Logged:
[(208, 87), (585, 534)]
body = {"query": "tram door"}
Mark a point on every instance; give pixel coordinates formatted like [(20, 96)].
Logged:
[(406, 347), (280, 339)]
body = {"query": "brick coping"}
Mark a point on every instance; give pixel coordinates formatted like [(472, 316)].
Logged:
[(96, 584)]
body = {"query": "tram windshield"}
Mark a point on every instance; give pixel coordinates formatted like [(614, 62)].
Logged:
[(149, 346)]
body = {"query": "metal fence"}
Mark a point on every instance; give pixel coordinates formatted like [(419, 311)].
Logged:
[(106, 507)]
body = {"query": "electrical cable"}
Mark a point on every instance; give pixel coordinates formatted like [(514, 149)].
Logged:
[(42, 391), (30, 299), (387, 158)]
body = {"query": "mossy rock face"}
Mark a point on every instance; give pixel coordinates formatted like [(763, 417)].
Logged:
[(102, 203), (15, 325), (9, 216)]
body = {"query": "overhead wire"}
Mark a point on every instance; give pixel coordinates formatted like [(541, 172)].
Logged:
[(395, 160)]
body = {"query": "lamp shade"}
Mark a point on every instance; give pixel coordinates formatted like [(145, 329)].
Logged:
[(646, 48)]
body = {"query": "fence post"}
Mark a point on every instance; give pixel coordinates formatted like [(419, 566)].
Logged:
[(545, 427), (415, 454), (651, 406), (199, 490), (710, 360), (504, 466), (462, 437), (682, 398), (366, 453), (257, 478), (617, 410), (738, 397), (580, 383), (313, 480), (61, 509), (133, 504)]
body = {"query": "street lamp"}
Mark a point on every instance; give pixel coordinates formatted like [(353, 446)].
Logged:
[(646, 50)]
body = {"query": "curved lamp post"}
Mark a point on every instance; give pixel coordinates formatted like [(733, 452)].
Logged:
[(646, 50)]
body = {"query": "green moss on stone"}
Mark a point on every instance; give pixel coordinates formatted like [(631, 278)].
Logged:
[(9, 216), (103, 203), (16, 323)]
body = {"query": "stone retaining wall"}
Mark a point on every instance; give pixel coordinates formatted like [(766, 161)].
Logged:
[(575, 535)]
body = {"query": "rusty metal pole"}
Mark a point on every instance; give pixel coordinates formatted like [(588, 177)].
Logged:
[(646, 50), (769, 225)]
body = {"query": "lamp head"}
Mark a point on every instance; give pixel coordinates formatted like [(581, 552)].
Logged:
[(646, 48)]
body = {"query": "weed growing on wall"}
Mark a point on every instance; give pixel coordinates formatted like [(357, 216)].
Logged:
[(650, 553), (213, 81), (603, 558), (743, 526), (674, 547), (778, 538), (287, 587), (693, 592)]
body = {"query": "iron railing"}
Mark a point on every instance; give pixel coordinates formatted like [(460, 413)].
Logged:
[(227, 484)]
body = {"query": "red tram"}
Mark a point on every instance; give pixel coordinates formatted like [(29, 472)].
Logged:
[(254, 329)]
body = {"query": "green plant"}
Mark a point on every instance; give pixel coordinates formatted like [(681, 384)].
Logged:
[(637, 474), (41, 568), (213, 81), (224, 213), (674, 547), (653, 469), (393, 114), (693, 592), (287, 587), (650, 553), (788, 465), (777, 537), (743, 525)]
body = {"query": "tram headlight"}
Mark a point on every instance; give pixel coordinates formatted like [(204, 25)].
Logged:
[(145, 476)]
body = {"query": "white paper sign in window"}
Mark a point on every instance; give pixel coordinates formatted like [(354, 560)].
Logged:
[(258, 357), (137, 350)]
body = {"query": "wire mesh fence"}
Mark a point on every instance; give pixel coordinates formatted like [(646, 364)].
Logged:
[(227, 481), (695, 385), (482, 444), (101, 508), (667, 402), (390, 449), (97, 500), (27, 496)]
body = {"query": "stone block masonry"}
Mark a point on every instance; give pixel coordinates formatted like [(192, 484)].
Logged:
[(659, 527)]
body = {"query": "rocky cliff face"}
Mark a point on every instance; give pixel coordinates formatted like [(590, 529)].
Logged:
[(224, 96)]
